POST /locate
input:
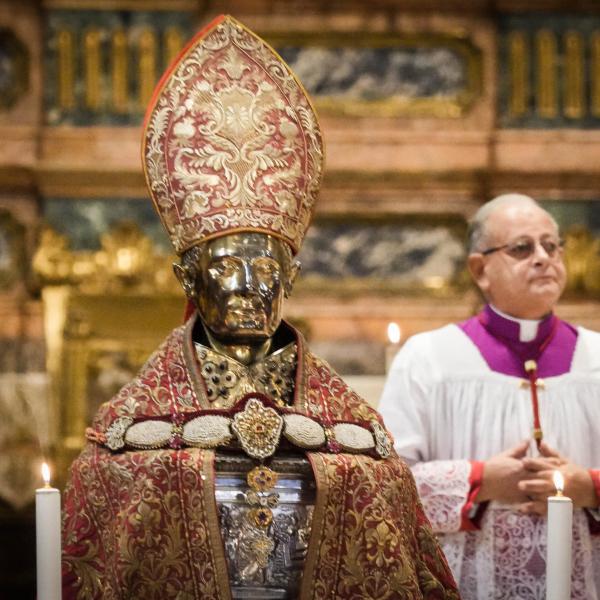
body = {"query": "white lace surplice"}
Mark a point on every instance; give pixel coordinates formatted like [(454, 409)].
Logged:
[(445, 407)]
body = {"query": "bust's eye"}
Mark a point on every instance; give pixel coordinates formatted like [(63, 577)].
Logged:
[(223, 268), (266, 268)]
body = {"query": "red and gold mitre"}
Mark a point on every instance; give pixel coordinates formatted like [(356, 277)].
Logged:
[(231, 141)]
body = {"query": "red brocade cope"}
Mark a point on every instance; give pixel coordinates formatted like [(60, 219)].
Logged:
[(144, 523)]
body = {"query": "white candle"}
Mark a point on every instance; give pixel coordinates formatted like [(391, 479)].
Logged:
[(394, 334), (47, 531), (560, 533)]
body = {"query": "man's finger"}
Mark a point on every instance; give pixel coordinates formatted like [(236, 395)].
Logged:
[(533, 508), (541, 464), (519, 450), (536, 486), (547, 451)]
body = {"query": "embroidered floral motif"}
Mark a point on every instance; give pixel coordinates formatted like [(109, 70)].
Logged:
[(382, 539)]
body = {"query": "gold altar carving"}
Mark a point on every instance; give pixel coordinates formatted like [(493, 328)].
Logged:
[(595, 72), (519, 73), (92, 63), (545, 42), (119, 52), (582, 258), (574, 75), (173, 44), (105, 311), (147, 66), (66, 70)]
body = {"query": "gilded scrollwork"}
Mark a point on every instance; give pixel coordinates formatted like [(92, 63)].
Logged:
[(126, 261), (582, 258)]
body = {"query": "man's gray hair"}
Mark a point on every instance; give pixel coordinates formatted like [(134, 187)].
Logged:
[(477, 233)]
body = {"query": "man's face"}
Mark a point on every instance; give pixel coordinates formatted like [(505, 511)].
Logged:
[(523, 287), (241, 282)]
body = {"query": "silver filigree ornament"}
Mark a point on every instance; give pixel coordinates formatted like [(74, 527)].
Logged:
[(383, 445), (115, 434)]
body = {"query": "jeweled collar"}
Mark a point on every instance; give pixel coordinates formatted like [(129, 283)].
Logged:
[(226, 379), (512, 329)]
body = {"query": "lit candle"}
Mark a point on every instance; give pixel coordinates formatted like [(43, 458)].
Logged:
[(47, 531), (394, 334), (560, 532)]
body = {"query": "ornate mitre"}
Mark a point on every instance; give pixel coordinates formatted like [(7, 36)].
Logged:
[(231, 141)]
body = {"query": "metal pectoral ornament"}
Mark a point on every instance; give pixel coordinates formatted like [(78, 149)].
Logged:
[(262, 499), (258, 429)]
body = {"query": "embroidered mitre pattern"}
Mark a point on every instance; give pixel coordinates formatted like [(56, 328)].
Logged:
[(231, 142)]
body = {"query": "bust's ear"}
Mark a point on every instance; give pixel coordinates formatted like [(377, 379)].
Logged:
[(293, 273), (185, 279)]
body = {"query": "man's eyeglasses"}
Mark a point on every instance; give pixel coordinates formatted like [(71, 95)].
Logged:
[(522, 249)]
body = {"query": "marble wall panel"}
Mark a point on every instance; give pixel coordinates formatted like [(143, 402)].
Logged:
[(83, 221), (385, 75), (412, 254), (575, 213)]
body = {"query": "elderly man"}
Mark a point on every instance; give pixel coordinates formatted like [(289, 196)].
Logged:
[(237, 464), (469, 404)]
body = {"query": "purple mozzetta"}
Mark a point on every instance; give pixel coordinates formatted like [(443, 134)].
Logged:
[(498, 341)]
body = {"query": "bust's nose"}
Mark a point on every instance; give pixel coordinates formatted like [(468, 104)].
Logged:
[(247, 279)]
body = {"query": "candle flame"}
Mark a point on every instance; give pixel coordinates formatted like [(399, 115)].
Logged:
[(559, 481), (46, 474), (394, 333)]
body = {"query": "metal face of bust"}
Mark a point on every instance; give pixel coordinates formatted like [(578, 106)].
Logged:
[(239, 284)]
